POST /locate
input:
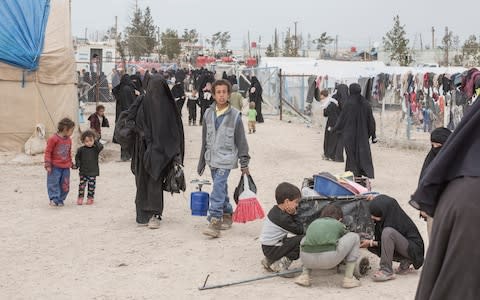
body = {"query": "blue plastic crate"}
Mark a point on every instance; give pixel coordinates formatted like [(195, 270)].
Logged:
[(328, 187)]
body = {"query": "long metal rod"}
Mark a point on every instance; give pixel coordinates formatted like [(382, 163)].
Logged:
[(209, 287)]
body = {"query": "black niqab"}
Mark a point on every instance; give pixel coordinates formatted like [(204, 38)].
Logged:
[(256, 97), (458, 158), (163, 128), (341, 95), (439, 135), (357, 125), (392, 215)]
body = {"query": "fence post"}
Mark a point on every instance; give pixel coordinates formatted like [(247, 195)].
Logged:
[(280, 93)]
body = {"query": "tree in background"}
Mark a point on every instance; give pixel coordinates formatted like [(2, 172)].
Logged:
[(190, 37), (149, 30), (170, 43), (396, 43), (269, 52), (289, 49), (322, 42), (213, 40), (471, 51), (224, 39), (140, 34)]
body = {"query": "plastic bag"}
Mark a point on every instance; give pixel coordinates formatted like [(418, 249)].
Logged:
[(36, 143), (240, 187)]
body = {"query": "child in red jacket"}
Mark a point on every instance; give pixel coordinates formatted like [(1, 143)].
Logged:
[(58, 161)]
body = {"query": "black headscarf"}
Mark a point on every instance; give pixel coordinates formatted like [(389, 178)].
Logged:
[(458, 158), (137, 82), (392, 215), (163, 128), (341, 95), (439, 135)]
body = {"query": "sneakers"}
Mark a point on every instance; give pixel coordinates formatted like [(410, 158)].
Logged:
[(80, 201), (350, 282), (89, 201), (266, 264), (226, 222), (304, 278), (282, 265), (213, 229), (154, 222)]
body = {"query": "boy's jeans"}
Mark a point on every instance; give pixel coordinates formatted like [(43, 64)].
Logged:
[(219, 200), (58, 184)]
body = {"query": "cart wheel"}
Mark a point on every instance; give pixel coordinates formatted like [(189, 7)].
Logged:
[(361, 267)]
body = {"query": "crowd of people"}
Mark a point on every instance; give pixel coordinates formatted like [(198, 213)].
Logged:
[(155, 145)]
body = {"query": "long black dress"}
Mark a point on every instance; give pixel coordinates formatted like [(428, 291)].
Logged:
[(332, 145), (448, 191), (256, 97), (357, 125), (159, 141)]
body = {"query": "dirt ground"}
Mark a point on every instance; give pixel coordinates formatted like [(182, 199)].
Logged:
[(98, 252)]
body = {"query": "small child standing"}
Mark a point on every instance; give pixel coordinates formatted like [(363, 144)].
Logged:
[(279, 249), (192, 103), (98, 120), (252, 117), (58, 161), (86, 160)]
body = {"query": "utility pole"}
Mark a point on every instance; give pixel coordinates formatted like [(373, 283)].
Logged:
[(296, 42), (86, 29), (433, 38), (336, 46), (249, 46), (421, 42), (447, 44)]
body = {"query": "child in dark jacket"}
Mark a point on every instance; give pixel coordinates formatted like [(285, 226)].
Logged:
[(98, 120), (279, 249), (86, 160)]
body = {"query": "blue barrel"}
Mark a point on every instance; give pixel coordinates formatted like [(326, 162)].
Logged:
[(199, 203)]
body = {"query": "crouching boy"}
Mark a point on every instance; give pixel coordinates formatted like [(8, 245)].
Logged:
[(280, 250), (326, 244)]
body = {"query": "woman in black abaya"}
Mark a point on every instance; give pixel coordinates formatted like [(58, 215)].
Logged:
[(357, 125), (255, 95), (448, 192), (396, 238), (160, 141)]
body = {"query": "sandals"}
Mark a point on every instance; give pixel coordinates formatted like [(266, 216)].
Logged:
[(381, 276), (404, 271)]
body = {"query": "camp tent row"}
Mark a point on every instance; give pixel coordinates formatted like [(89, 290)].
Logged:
[(37, 69)]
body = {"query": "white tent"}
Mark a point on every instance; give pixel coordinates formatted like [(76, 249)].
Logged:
[(46, 95)]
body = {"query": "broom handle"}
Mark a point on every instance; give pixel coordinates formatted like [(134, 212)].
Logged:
[(246, 185), (209, 287)]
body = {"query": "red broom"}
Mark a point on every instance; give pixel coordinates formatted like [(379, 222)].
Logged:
[(248, 207)]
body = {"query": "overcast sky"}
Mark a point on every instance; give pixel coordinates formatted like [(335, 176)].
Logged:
[(357, 23)]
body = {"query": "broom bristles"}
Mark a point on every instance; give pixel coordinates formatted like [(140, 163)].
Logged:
[(248, 209)]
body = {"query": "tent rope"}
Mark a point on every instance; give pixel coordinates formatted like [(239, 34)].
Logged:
[(44, 103)]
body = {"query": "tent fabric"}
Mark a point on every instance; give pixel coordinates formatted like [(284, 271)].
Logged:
[(22, 31), (49, 93), (57, 61)]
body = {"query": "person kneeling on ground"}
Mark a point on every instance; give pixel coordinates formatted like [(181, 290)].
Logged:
[(396, 238), (280, 250), (326, 244)]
